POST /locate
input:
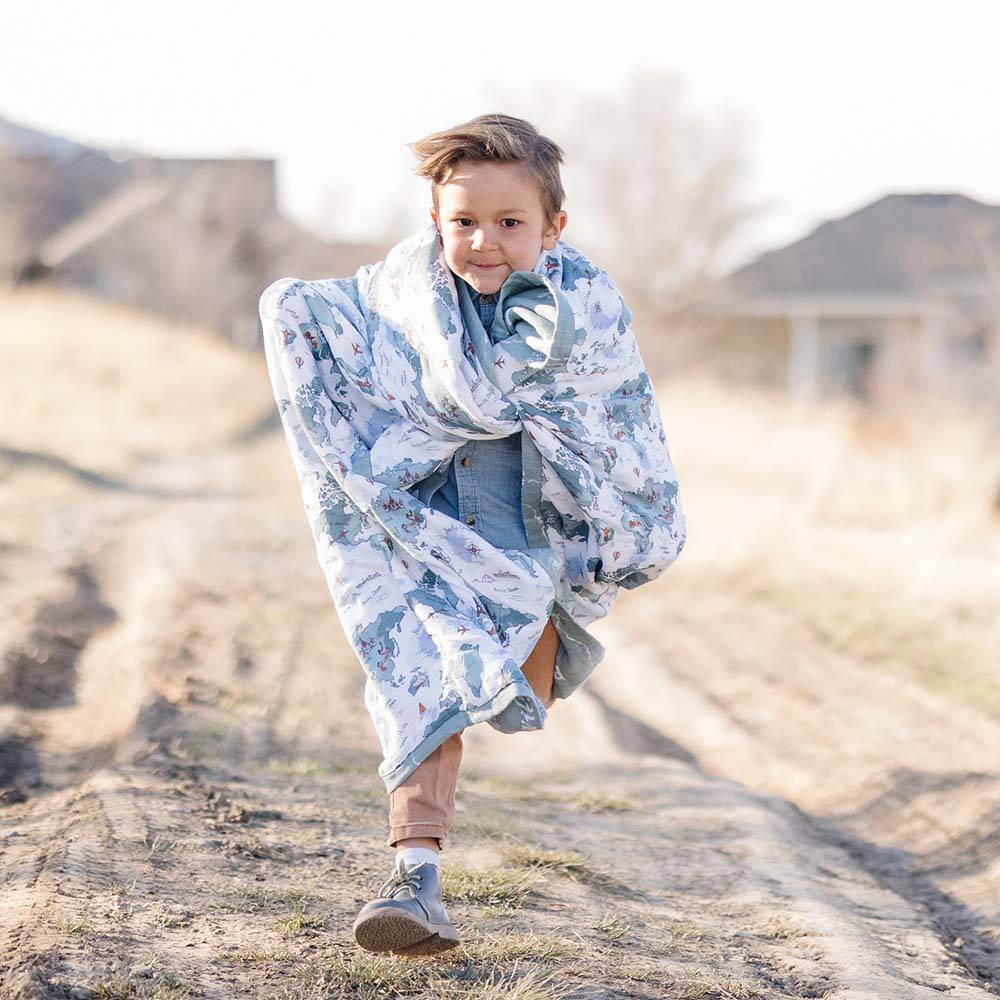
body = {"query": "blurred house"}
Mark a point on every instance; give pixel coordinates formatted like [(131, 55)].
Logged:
[(194, 239), (901, 295)]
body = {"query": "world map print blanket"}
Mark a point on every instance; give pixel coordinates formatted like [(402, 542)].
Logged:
[(378, 380)]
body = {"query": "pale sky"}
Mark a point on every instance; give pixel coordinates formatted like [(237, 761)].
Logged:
[(844, 103)]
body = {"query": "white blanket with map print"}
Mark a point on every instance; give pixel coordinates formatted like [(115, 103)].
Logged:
[(378, 379)]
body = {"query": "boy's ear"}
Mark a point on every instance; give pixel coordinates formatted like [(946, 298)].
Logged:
[(554, 230)]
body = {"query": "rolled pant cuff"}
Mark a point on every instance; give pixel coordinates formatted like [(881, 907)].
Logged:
[(416, 830)]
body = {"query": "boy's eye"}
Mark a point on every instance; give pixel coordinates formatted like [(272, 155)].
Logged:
[(516, 222)]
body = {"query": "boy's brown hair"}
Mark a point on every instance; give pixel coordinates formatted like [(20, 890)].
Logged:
[(497, 138)]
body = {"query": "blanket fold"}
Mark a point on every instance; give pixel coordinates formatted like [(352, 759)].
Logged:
[(378, 380)]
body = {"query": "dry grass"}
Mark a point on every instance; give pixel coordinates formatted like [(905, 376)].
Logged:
[(591, 800), (302, 924), (509, 791), (486, 822), (308, 767), (611, 926), (511, 985), (510, 946), (782, 929), (159, 847), (502, 889), (260, 956), (112, 392), (365, 976), (722, 988), (682, 935), (254, 900), (164, 987), (597, 802), (79, 927), (879, 529), (571, 863)]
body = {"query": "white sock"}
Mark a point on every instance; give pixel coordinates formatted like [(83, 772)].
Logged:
[(414, 855)]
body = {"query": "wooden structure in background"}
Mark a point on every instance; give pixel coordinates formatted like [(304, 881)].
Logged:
[(195, 239)]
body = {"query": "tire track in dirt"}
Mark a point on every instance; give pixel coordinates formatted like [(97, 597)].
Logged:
[(870, 939), (39, 671), (67, 857), (90, 646), (776, 742)]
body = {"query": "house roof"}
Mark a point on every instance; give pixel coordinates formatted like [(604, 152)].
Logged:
[(919, 247), (20, 140)]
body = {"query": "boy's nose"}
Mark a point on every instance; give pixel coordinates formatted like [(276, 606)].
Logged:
[(478, 239)]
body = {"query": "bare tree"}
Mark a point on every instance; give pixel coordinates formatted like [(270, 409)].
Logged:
[(400, 219), (17, 199), (334, 204), (653, 191), (983, 237), (11, 246)]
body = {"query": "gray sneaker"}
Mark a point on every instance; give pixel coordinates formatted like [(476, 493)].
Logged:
[(407, 917)]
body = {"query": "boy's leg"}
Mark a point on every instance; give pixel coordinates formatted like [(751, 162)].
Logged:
[(408, 916), (422, 808), (540, 666)]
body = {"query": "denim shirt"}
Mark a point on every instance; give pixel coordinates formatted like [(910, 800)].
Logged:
[(481, 484)]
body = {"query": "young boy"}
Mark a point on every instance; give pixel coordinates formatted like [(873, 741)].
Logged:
[(497, 211)]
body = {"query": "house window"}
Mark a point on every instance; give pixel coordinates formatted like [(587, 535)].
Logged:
[(849, 366)]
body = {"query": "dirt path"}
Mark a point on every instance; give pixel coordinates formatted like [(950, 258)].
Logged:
[(192, 806)]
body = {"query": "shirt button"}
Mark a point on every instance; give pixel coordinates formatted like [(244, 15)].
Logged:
[(465, 460), (470, 519)]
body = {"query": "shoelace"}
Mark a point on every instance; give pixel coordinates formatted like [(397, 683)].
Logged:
[(397, 880)]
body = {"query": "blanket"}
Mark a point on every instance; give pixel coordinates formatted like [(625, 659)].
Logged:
[(378, 379)]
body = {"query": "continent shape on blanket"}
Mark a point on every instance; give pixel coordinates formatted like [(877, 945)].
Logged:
[(378, 380)]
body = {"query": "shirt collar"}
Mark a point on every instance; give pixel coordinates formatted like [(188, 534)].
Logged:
[(477, 295)]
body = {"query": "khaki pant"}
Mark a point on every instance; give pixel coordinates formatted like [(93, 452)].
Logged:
[(424, 804)]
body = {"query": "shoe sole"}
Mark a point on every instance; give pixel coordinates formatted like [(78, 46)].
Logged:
[(429, 946), (403, 934)]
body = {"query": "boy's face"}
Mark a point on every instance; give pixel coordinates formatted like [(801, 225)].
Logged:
[(491, 214)]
